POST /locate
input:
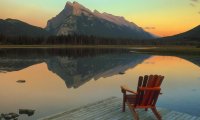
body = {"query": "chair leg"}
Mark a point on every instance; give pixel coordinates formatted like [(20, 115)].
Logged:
[(123, 105), (156, 113), (135, 114)]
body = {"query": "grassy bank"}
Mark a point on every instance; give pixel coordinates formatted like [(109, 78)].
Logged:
[(170, 50)]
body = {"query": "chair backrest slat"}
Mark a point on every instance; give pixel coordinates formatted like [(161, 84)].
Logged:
[(148, 97), (140, 81), (144, 84), (147, 94), (155, 98), (156, 82)]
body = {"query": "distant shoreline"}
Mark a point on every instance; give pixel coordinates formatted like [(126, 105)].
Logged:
[(77, 46), (133, 48), (64, 46)]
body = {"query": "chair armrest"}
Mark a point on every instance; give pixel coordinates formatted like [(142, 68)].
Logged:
[(125, 89)]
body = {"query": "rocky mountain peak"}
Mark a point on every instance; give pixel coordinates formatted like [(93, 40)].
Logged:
[(68, 4), (75, 18), (96, 11), (77, 9)]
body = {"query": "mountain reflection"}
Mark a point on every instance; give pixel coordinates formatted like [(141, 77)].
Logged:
[(74, 66), (195, 59)]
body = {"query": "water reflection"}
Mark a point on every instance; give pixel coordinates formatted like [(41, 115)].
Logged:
[(195, 59), (74, 66), (90, 75)]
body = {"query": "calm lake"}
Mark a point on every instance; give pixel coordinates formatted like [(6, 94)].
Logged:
[(57, 80)]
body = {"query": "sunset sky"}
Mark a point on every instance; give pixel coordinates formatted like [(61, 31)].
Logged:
[(161, 17)]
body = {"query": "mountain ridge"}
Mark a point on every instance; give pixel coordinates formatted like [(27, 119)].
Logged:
[(192, 34), (14, 27), (77, 19)]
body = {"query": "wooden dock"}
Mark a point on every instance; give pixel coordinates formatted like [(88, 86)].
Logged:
[(110, 109)]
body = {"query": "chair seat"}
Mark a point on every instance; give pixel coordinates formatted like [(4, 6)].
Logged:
[(131, 99)]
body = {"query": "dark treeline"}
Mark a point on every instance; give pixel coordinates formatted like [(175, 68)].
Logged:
[(88, 40), (53, 52)]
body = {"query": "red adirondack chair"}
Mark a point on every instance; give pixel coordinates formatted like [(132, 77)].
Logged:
[(146, 96)]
